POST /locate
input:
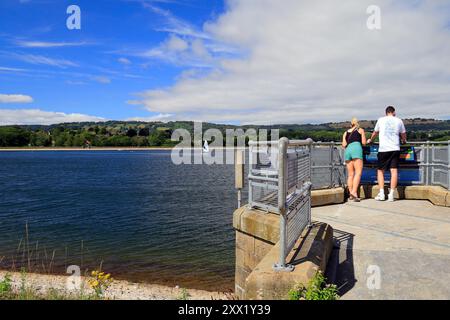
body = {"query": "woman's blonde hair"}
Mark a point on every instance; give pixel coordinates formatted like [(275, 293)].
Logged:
[(355, 123)]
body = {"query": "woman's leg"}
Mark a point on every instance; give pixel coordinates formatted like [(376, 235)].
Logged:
[(358, 165), (350, 175)]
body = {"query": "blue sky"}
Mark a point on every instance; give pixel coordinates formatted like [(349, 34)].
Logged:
[(97, 69), (224, 61)]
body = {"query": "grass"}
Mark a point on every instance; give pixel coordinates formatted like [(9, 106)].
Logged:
[(11, 290), (184, 295), (35, 258)]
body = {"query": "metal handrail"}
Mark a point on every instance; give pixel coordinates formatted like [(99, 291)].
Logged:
[(283, 186)]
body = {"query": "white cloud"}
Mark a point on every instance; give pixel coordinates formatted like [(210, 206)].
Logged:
[(159, 117), (101, 79), (44, 44), (36, 116), (15, 98), (175, 43), (8, 69), (186, 44), (175, 25), (316, 61), (43, 60), (124, 61)]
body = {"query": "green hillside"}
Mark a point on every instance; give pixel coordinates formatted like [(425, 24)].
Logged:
[(156, 134)]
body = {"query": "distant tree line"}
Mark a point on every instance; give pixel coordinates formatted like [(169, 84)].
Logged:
[(157, 134), (16, 136)]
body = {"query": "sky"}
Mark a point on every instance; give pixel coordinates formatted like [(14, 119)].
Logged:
[(223, 61)]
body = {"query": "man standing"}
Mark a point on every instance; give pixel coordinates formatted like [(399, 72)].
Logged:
[(391, 129)]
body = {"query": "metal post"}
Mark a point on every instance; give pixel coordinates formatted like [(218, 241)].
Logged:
[(428, 181), (448, 166), (239, 173), (310, 180), (431, 162), (332, 164), (282, 181), (239, 198), (422, 166), (250, 161)]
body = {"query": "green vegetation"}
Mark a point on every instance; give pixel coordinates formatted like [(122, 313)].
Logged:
[(158, 134), (23, 291), (5, 285), (317, 289), (184, 295)]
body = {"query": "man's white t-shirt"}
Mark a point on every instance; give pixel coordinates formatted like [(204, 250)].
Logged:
[(389, 128)]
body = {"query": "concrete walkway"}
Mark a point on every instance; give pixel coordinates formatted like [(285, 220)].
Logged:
[(398, 250)]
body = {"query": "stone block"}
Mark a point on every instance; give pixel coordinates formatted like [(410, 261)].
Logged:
[(310, 254), (327, 197)]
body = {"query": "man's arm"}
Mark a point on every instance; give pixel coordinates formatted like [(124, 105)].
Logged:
[(375, 132), (402, 133), (403, 137)]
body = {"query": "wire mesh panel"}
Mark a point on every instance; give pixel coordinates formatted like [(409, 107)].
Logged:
[(328, 169), (264, 195), (440, 155), (298, 217), (298, 164), (263, 177), (280, 182), (433, 158), (440, 177), (440, 166)]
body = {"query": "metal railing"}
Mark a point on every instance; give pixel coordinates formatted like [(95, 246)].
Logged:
[(328, 165), (328, 168), (434, 162), (280, 182), (282, 173)]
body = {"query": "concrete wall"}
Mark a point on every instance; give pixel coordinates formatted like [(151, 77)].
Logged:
[(435, 194), (256, 234)]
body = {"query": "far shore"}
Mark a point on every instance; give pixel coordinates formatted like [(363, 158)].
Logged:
[(42, 284), (84, 149), (105, 148)]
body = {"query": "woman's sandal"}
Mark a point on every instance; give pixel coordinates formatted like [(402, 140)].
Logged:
[(354, 198)]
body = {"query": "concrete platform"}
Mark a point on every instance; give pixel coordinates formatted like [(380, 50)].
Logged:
[(398, 250)]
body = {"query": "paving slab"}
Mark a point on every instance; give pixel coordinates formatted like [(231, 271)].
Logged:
[(390, 250)]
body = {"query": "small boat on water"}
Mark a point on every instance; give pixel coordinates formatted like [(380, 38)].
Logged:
[(205, 146)]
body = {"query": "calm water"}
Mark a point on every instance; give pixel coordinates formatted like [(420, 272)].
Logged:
[(144, 217), (141, 216)]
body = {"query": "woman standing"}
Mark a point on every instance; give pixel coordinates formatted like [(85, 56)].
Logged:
[(353, 140)]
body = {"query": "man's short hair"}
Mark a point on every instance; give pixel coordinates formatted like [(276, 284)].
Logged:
[(390, 109)]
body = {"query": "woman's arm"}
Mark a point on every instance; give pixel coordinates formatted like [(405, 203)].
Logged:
[(344, 142), (374, 135), (363, 137)]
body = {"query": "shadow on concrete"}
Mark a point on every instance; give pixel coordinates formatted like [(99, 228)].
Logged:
[(314, 255), (340, 269)]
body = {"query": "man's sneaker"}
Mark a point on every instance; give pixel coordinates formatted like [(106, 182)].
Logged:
[(380, 197), (391, 197)]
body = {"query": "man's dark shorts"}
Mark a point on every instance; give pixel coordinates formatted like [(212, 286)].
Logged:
[(388, 160)]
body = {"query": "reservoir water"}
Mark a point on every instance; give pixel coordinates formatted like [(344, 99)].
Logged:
[(136, 213)]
